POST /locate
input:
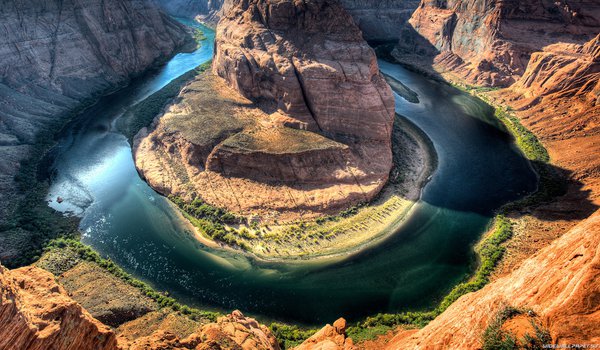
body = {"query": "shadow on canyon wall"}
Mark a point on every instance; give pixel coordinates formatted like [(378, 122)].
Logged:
[(560, 195)]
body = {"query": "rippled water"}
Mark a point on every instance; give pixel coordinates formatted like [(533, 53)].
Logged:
[(479, 170)]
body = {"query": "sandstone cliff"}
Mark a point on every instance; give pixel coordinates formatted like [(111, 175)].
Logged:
[(557, 98), (297, 121), (379, 20), (561, 284), (329, 338), (489, 42), (54, 55), (234, 331), (37, 314)]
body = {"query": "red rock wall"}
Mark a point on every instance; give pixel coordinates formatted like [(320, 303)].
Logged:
[(37, 314), (489, 42)]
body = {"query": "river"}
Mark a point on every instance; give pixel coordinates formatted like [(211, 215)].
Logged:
[(123, 218)]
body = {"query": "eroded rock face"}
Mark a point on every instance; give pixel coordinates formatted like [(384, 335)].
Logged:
[(295, 120), (234, 331), (55, 54), (308, 60), (207, 10), (489, 42), (329, 338), (561, 284), (37, 314)]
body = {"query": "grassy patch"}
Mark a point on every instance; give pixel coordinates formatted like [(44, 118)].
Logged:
[(496, 338), (290, 336), (143, 113), (198, 35), (75, 251)]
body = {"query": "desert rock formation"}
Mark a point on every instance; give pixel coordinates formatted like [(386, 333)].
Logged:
[(380, 20), (561, 284), (489, 42), (37, 314), (329, 338), (234, 331), (296, 121)]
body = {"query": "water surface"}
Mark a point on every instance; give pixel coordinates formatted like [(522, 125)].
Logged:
[(479, 170)]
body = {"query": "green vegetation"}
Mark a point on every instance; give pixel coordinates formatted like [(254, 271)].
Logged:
[(143, 113), (551, 183), (84, 253), (495, 338), (529, 144), (199, 35), (213, 221), (290, 336)]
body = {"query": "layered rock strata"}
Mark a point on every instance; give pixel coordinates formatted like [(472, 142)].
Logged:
[(54, 55), (489, 42), (296, 120), (234, 331), (36, 314), (561, 284)]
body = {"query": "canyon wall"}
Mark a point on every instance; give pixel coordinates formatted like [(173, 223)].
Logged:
[(299, 122), (380, 20), (37, 314), (54, 55), (206, 10), (560, 284), (489, 42)]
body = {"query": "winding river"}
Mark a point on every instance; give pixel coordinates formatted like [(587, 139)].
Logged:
[(123, 218)]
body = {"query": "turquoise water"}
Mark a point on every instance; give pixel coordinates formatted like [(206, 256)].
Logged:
[(124, 219)]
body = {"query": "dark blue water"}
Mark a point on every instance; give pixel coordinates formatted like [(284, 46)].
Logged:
[(479, 170)]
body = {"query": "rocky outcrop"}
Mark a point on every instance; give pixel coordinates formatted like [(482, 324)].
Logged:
[(329, 338), (54, 55), (489, 42), (561, 284), (37, 314), (234, 331), (296, 120)]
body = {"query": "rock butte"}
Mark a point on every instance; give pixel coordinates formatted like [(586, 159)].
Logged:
[(312, 116)]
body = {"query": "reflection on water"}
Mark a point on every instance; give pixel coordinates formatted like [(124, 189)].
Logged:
[(124, 219)]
